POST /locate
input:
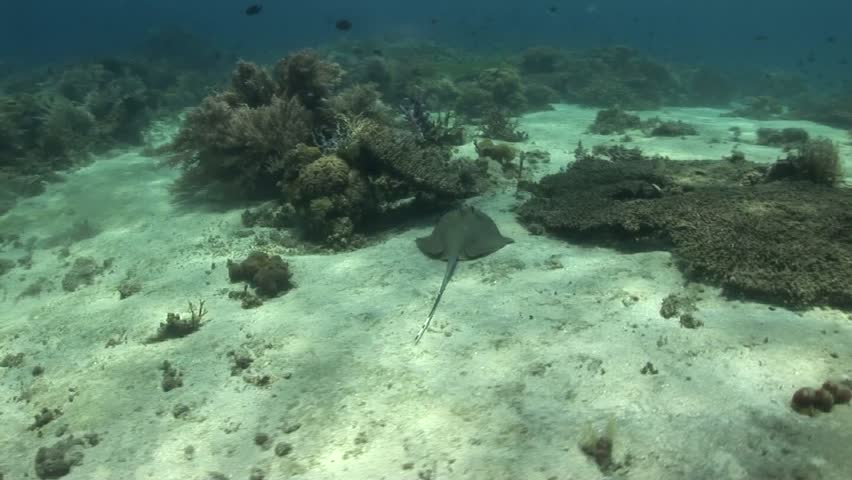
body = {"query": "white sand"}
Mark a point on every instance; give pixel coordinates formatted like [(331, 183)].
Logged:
[(524, 358)]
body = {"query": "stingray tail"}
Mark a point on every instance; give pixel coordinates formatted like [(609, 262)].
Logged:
[(451, 267)]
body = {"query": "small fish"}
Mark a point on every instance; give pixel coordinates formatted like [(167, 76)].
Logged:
[(760, 38), (343, 25), (377, 52), (552, 9), (254, 9), (831, 39)]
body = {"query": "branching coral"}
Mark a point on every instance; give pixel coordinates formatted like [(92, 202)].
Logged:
[(52, 119), (432, 129), (331, 157), (41, 133), (504, 85), (817, 160), (252, 85), (308, 77), (361, 100), (121, 108), (497, 125), (272, 129), (236, 143), (68, 130), (242, 135), (177, 327)]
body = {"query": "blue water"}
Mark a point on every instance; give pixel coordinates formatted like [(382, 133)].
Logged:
[(718, 32)]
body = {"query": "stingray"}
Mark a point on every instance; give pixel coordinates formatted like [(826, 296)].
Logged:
[(462, 234)]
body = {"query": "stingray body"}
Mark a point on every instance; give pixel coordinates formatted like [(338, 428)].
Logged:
[(462, 234)]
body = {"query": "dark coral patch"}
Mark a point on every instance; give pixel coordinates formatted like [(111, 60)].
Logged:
[(269, 275)]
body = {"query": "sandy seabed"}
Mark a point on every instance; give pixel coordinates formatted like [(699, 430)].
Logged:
[(532, 347)]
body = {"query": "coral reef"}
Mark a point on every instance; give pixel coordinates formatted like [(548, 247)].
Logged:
[(269, 275), (335, 158), (83, 272), (252, 85), (434, 129), (172, 377), (505, 87), (177, 327), (540, 97), (616, 76), (40, 134), (57, 460), (331, 198), (474, 84), (497, 125), (758, 108), (425, 168), (494, 89), (228, 141), (362, 100), (500, 152), (695, 208), (655, 127), (832, 108), (611, 121), (53, 119), (306, 76), (817, 160), (786, 137)]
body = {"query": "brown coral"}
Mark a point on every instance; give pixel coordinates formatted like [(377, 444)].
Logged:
[(252, 84), (237, 144), (324, 176), (817, 160), (716, 225), (330, 199), (426, 168), (308, 77), (331, 157), (269, 274)]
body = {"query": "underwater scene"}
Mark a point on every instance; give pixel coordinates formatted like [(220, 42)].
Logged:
[(445, 240)]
